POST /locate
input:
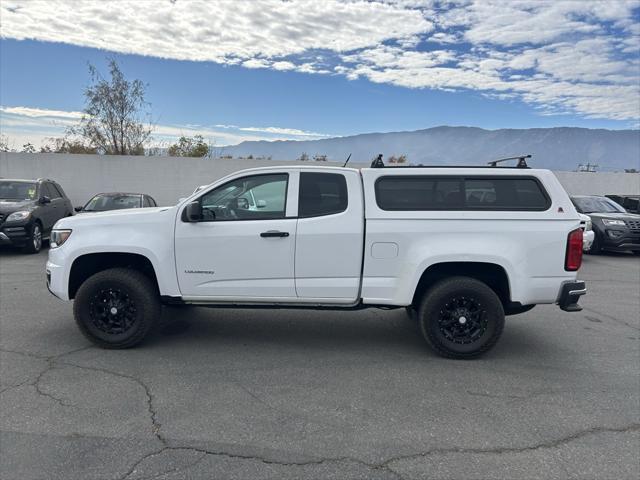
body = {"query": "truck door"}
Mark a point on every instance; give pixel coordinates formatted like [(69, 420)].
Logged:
[(330, 235), (236, 252)]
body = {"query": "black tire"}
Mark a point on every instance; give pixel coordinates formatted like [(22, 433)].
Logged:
[(480, 317), (596, 247), (34, 242), (412, 313), (122, 289)]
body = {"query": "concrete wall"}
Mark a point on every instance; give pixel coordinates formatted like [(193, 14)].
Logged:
[(605, 183), (164, 178), (168, 178)]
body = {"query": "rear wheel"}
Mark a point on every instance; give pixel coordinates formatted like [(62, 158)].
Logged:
[(461, 317), (116, 308), (34, 242)]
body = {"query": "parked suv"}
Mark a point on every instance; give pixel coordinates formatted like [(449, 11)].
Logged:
[(28, 211), (615, 229), (460, 247)]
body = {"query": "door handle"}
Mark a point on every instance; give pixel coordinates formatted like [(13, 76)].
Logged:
[(274, 233)]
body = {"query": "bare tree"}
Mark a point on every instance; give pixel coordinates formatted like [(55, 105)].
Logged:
[(4, 144), (112, 122), (66, 145), (28, 148)]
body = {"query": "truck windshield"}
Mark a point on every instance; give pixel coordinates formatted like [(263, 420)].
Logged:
[(597, 205), (10, 190)]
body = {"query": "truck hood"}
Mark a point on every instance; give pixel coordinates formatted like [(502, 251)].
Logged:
[(114, 217)]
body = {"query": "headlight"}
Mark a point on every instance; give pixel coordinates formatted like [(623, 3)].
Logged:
[(613, 223), (58, 237), (17, 216)]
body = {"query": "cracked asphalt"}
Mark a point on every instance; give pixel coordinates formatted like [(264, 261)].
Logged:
[(292, 394)]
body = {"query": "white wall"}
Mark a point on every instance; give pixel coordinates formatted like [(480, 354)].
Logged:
[(164, 178), (169, 178), (605, 183)]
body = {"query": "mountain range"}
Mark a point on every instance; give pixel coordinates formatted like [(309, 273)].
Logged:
[(560, 148)]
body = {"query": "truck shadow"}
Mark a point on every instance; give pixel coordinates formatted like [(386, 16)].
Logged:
[(285, 328), (366, 330)]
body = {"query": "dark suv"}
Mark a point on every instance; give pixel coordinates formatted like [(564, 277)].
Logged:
[(28, 211), (615, 228)]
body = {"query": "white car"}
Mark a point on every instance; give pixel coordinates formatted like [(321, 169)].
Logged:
[(461, 247), (587, 232)]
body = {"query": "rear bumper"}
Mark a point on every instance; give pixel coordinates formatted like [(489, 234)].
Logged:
[(570, 293)]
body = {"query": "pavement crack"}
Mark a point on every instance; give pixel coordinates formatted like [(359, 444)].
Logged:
[(219, 453), (503, 450), (40, 390), (51, 360), (153, 414)]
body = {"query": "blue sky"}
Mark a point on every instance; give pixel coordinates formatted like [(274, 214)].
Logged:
[(267, 69)]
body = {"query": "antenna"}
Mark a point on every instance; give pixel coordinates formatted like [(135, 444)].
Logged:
[(522, 161), (348, 158)]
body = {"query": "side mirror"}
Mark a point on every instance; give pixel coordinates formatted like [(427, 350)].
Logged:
[(78, 209), (44, 200), (261, 203), (192, 212)]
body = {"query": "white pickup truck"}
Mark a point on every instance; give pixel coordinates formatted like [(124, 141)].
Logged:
[(459, 247)]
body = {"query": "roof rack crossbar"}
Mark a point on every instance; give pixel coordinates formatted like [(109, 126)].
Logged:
[(522, 161)]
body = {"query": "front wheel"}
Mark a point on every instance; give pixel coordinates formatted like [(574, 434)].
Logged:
[(34, 241), (461, 317), (116, 308)]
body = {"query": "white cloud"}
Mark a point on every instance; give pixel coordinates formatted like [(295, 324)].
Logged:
[(214, 31), (40, 112), (572, 56), (284, 131), (37, 125)]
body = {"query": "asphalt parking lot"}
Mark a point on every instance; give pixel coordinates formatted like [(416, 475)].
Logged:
[(292, 394)]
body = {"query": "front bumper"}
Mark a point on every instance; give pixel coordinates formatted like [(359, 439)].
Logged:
[(56, 280), (621, 240), (14, 235), (570, 293)]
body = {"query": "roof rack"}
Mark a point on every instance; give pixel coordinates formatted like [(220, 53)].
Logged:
[(522, 161)]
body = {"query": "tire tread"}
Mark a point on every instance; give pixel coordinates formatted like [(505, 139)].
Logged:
[(145, 289), (440, 288)]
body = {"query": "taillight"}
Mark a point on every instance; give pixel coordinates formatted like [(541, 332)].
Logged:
[(573, 258)]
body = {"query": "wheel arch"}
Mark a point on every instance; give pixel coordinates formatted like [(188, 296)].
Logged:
[(89, 264), (492, 274)]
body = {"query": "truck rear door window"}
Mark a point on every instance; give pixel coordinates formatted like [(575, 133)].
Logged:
[(322, 194), (460, 193)]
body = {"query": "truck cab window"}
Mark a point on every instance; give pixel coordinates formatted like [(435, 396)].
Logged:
[(322, 194), (258, 197)]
